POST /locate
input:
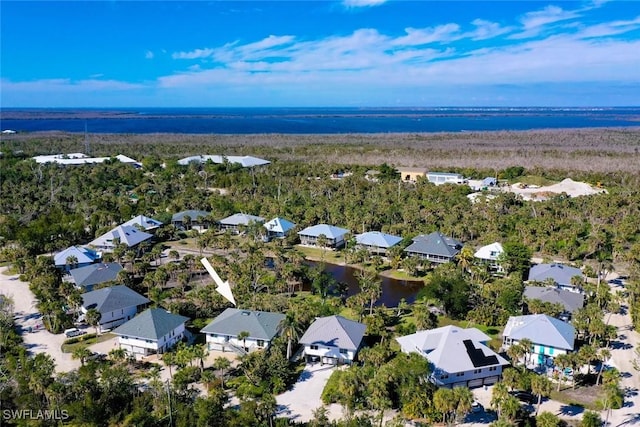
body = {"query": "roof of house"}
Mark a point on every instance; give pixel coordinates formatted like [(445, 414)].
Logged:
[(561, 274), (192, 214), (151, 324), (144, 221), (81, 159), (95, 273), (244, 161), (490, 252), (334, 331), (489, 181), (82, 254), (112, 298), (453, 349), (571, 301), (259, 324), (127, 234), (447, 174), (279, 225), (541, 329), (377, 239), (411, 170), (328, 231), (435, 244), (241, 219)]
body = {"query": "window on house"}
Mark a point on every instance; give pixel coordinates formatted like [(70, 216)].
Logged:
[(492, 368), (314, 347), (260, 343), (459, 374), (444, 376), (477, 371), (344, 351)]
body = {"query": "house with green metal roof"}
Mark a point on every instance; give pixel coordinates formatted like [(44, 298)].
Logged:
[(154, 331), (258, 328)]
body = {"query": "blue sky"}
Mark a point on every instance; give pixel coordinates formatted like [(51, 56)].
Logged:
[(319, 53)]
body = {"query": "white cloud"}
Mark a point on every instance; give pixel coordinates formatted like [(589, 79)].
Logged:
[(194, 54), (534, 23), (439, 34), (148, 54), (486, 30), (363, 3)]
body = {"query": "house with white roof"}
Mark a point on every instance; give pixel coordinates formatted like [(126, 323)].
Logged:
[(334, 235), (560, 274), (490, 255), (376, 242), (238, 221), (333, 340), (434, 247), (144, 222), (459, 357), (154, 331), (244, 161), (116, 305), (83, 159), (261, 328), (439, 178), (278, 227), (127, 235), (550, 336), (82, 257)]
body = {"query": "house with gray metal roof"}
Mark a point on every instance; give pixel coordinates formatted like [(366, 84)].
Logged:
[(89, 276), (127, 235), (434, 247), (333, 340), (151, 332), (571, 301), (376, 242), (144, 222), (186, 220), (278, 227), (550, 336), (459, 357), (80, 255), (560, 274), (238, 221), (244, 161), (116, 305), (261, 327), (334, 235)]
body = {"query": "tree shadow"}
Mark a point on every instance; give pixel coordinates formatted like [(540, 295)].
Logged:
[(570, 410)]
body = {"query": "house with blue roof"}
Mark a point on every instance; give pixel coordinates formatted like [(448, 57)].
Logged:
[(376, 242), (278, 227), (334, 236), (549, 336), (434, 247), (560, 274), (144, 222)]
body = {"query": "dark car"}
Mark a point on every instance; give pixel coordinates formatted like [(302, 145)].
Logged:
[(524, 396)]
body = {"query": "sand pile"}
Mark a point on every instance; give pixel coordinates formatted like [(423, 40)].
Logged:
[(567, 186)]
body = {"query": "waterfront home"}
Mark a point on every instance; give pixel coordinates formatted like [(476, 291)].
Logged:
[(127, 235), (560, 275), (570, 301), (333, 340), (439, 178), (278, 227), (75, 257), (238, 222), (376, 242), (411, 174), (144, 223), (244, 161), (334, 236), (89, 276), (242, 331), (186, 220), (434, 247), (154, 331), (549, 336), (459, 357), (116, 305), (490, 256)]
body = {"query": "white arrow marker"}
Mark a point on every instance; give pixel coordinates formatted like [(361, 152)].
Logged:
[(223, 287)]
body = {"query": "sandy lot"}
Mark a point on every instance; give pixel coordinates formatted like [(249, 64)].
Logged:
[(568, 186), (26, 316)]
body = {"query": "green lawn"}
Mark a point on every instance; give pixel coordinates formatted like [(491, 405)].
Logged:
[(89, 340), (317, 254)]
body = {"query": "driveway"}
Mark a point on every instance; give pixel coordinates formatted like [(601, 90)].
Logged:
[(299, 403), (27, 316)]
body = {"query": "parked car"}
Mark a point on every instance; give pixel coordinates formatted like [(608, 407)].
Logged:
[(73, 332), (524, 396), (476, 407)]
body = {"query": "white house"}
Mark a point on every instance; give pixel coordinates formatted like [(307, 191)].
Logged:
[(151, 332), (244, 161), (144, 222), (116, 305), (83, 257), (376, 242), (261, 328), (439, 178), (490, 255), (459, 357), (278, 227), (333, 340), (127, 235), (550, 336)]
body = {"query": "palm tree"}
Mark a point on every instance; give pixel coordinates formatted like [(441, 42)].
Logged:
[(118, 355), (562, 361), (290, 330), (200, 352), (602, 355), (527, 348), (81, 352), (221, 364), (540, 386), (243, 336), (93, 316), (547, 419)]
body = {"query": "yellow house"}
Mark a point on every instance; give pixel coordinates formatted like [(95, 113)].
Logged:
[(411, 174)]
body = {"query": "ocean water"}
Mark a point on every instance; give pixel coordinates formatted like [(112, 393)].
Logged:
[(312, 120)]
